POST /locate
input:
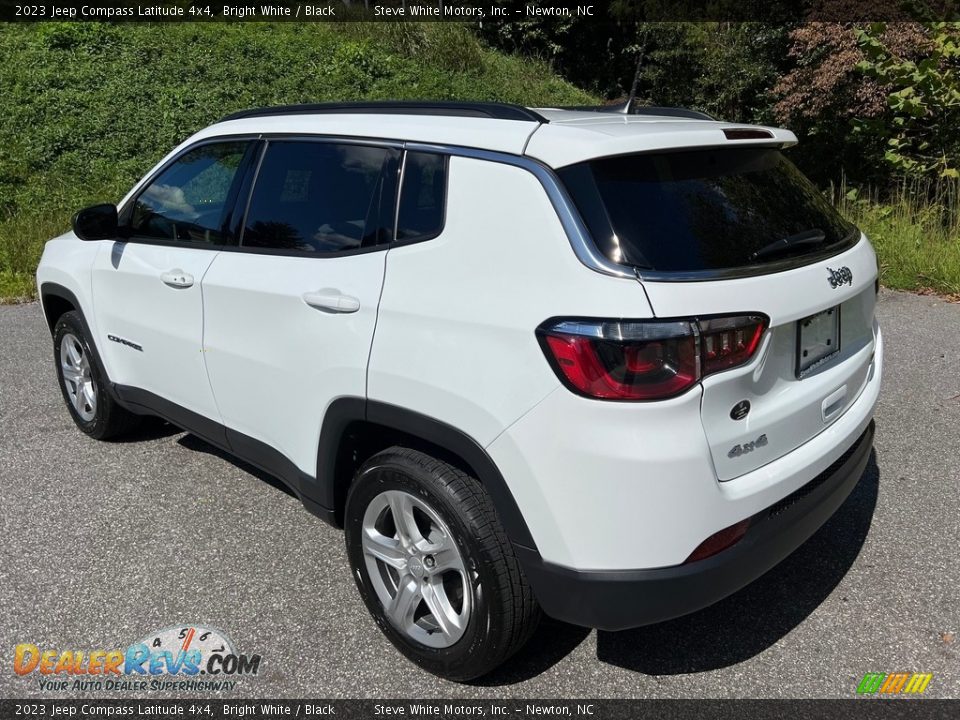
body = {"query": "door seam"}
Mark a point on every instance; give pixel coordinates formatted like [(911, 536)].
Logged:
[(203, 342)]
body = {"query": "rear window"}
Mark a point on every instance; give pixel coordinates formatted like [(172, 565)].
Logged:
[(712, 209)]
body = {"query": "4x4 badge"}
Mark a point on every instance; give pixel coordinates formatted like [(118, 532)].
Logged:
[(841, 276), (748, 447)]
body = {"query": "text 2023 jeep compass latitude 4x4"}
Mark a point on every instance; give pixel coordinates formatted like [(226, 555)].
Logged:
[(608, 367)]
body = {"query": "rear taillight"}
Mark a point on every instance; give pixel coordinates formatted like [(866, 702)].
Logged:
[(730, 341), (643, 359)]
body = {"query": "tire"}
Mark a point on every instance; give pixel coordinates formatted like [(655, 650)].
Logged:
[(462, 566), (83, 383)]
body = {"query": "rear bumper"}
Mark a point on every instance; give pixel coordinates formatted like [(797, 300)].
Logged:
[(621, 599)]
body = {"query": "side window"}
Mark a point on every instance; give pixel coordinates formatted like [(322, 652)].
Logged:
[(423, 196), (317, 197), (191, 200)]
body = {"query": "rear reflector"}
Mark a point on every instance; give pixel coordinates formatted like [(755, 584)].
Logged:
[(643, 359), (719, 541)]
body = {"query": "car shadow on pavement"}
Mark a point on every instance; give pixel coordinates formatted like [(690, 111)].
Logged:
[(731, 631), (551, 642), (150, 428), (754, 618), (192, 442)]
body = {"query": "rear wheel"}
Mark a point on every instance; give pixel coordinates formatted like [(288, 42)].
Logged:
[(83, 385), (434, 566)]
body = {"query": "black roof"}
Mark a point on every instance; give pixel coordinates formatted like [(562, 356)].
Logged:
[(498, 111)]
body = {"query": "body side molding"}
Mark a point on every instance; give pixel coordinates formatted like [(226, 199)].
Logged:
[(243, 447), (323, 495)]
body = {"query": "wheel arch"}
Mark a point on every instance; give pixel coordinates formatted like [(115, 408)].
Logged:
[(355, 429), (56, 300)]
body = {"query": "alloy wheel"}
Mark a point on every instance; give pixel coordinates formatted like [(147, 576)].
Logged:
[(416, 569), (77, 378)]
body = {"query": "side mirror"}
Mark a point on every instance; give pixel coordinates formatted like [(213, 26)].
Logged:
[(98, 222)]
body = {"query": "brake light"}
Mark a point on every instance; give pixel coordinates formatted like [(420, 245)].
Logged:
[(646, 360), (730, 341)]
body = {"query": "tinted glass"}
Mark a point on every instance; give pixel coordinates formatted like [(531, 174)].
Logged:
[(189, 201), (316, 197), (703, 210), (422, 197)]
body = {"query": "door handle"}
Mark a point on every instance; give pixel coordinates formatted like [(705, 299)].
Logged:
[(331, 300), (177, 278)]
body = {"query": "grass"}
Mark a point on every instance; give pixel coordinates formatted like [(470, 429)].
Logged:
[(88, 107), (916, 233)]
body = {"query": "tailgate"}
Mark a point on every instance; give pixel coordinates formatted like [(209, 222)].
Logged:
[(755, 414)]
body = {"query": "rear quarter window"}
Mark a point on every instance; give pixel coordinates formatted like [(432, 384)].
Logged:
[(711, 209), (423, 197)]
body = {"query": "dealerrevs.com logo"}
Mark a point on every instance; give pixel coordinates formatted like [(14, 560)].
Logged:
[(197, 658)]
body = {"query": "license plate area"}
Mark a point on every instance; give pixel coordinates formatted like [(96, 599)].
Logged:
[(818, 340)]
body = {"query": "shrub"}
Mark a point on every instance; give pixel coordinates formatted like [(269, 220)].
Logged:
[(88, 107)]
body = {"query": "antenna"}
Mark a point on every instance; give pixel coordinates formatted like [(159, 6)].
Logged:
[(628, 105)]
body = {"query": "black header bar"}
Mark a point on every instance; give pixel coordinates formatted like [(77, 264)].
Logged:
[(434, 709), (482, 11)]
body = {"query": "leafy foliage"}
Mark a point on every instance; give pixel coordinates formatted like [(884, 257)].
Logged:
[(89, 107), (874, 102), (721, 68), (869, 103), (922, 122)]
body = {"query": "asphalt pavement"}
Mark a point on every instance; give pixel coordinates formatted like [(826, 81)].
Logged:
[(103, 543)]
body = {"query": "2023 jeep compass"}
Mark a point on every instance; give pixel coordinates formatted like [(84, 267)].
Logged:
[(607, 367)]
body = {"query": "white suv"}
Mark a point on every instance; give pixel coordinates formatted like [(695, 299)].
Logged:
[(611, 367)]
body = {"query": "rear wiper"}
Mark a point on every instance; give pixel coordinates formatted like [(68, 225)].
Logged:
[(808, 237)]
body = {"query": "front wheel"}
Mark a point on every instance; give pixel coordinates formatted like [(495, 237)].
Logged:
[(434, 566), (83, 383)]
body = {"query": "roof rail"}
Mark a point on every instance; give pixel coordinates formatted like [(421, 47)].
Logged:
[(625, 109), (495, 110)]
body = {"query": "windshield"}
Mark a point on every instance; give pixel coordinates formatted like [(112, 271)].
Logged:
[(711, 209)]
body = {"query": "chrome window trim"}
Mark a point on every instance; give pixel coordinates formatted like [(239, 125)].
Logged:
[(577, 233), (586, 249), (261, 154), (332, 139), (253, 136), (399, 194), (576, 230)]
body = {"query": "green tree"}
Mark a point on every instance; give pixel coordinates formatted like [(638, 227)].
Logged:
[(922, 122)]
